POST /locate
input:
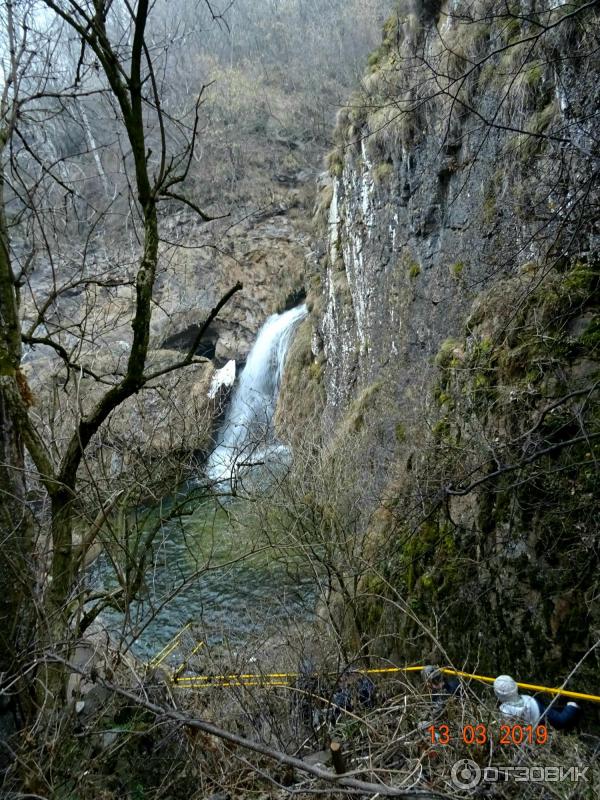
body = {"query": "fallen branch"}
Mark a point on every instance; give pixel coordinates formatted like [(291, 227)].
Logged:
[(341, 782)]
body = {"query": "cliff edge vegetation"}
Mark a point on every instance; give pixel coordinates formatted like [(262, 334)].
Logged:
[(455, 322)]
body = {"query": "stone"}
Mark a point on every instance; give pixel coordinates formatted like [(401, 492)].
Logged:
[(222, 380), (108, 738), (319, 757)]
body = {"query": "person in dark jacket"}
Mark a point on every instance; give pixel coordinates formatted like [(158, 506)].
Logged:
[(341, 700), (441, 686), (366, 693), (309, 689), (353, 690)]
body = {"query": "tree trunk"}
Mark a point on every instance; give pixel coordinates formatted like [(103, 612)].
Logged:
[(15, 550), (16, 523)]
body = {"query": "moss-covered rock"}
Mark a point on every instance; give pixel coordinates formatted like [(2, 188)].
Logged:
[(302, 394), (461, 280), (513, 453)]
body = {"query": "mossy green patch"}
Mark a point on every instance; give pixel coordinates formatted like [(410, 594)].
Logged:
[(590, 338), (457, 269), (383, 172), (441, 429), (535, 132), (447, 352), (443, 398), (360, 407), (335, 162), (302, 393), (488, 208)]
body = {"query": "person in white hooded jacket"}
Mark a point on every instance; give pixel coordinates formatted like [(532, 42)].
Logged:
[(532, 710)]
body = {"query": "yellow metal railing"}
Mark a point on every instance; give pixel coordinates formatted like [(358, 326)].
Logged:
[(285, 678)]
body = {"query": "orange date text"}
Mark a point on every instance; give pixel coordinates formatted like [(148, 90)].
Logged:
[(481, 734)]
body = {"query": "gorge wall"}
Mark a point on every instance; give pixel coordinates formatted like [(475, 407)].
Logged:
[(453, 341)]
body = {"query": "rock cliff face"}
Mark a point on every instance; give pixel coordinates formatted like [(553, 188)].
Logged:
[(261, 250), (455, 318)]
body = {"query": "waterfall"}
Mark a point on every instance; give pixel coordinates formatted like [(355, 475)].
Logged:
[(246, 437)]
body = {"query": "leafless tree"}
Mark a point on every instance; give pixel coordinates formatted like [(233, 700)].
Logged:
[(44, 198)]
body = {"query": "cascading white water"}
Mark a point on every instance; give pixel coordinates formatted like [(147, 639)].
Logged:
[(246, 437)]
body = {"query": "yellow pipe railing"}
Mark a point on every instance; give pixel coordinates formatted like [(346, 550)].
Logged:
[(284, 678)]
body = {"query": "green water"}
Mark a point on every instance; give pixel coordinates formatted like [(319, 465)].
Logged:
[(210, 570)]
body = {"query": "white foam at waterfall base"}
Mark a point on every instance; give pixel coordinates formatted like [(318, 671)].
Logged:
[(246, 438)]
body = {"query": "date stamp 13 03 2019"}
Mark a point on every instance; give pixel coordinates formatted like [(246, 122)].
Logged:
[(481, 734)]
